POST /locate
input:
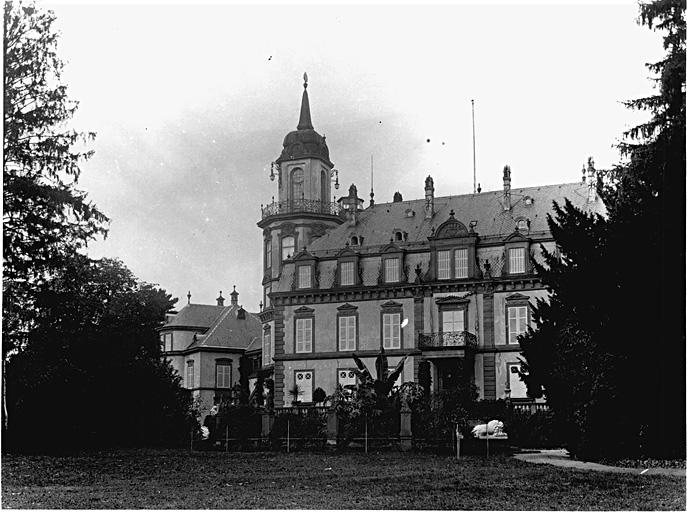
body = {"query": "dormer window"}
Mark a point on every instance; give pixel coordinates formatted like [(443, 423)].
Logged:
[(305, 276), (391, 270), (516, 255), (399, 236), (453, 250), (529, 200), (516, 260), (354, 240), (347, 269), (522, 225)]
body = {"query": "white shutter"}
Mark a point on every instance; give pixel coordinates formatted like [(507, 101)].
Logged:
[(461, 259), (304, 381), (444, 264)]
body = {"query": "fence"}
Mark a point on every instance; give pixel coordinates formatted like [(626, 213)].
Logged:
[(306, 427)]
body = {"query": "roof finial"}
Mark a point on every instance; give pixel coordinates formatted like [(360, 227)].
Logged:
[(189, 296), (372, 182), (304, 123)]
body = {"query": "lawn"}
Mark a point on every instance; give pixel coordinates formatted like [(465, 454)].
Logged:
[(389, 480)]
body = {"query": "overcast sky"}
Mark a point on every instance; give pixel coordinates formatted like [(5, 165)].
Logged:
[(191, 104)]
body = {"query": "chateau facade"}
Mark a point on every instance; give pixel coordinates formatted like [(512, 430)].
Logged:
[(443, 279)]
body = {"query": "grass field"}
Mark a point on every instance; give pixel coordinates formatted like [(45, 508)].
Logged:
[(179, 479)]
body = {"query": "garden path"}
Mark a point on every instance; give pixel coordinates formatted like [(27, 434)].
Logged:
[(562, 458)]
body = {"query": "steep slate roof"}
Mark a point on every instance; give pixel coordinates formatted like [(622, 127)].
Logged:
[(196, 315), (224, 329), (377, 224)]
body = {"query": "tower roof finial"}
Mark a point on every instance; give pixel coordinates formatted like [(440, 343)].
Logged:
[(304, 123)]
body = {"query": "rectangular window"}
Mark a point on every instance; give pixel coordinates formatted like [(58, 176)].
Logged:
[(268, 254), (347, 273), (223, 375), (347, 329), (303, 335), (392, 330), (516, 261), (190, 375), (305, 276), (345, 377), (267, 347), (287, 245), (268, 290), (444, 264), (391, 274), (304, 382), (453, 321), (461, 263), (517, 322)]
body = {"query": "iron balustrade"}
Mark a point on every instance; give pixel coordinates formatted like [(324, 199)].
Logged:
[(447, 340), (301, 206)]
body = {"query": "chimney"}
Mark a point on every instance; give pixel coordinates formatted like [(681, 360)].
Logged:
[(234, 297), (398, 198), (220, 299), (506, 188), (429, 197), (351, 205)]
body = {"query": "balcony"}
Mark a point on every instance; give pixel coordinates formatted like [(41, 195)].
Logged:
[(301, 206), (439, 340)]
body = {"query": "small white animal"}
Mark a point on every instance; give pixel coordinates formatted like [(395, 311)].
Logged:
[(494, 427)]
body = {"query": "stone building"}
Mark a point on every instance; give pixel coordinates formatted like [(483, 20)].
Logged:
[(204, 343), (445, 279)]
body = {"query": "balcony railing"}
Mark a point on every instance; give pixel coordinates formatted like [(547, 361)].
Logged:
[(300, 206), (447, 340)]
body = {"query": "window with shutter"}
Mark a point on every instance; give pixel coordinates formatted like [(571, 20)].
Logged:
[(190, 375), (461, 263), (391, 330), (223, 375), (305, 276), (303, 335), (443, 264), (267, 347), (347, 273), (304, 381), (516, 261), (346, 377), (391, 271), (347, 328), (517, 322)]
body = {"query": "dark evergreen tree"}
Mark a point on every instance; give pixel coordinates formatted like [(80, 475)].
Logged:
[(609, 348), (45, 217), (91, 373)]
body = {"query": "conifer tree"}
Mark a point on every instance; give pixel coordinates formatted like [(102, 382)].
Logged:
[(609, 348)]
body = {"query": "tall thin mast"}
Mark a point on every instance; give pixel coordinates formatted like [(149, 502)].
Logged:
[(474, 158), (372, 180)]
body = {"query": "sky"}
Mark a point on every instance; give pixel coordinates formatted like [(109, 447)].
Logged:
[(191, 103)]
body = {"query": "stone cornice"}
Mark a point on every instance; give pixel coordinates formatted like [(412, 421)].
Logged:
[(347, 354)]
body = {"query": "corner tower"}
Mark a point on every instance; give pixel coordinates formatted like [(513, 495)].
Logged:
[(304, 209)]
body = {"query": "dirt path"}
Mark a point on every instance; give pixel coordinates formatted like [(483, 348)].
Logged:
[(562, 459)]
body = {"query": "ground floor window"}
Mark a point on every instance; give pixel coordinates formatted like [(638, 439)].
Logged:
[(304, 380)]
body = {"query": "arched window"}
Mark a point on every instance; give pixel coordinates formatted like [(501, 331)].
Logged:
[(288, 244), (296, 185)]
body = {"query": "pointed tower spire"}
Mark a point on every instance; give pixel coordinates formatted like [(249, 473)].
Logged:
[(304, 123)]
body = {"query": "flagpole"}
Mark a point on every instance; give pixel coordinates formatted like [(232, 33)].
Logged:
[(474, 159)]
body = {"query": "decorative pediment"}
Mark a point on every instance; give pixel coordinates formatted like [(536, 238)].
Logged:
[(303, 255), (516, 236), (391, 247), (517, 297), (454, 299), (346, 251), (452, 228), (304, 310), (392, 304), (347, 307)]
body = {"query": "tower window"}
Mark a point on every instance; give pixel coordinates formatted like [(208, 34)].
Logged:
[(297, 185), (288, 244), (347, 273)]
